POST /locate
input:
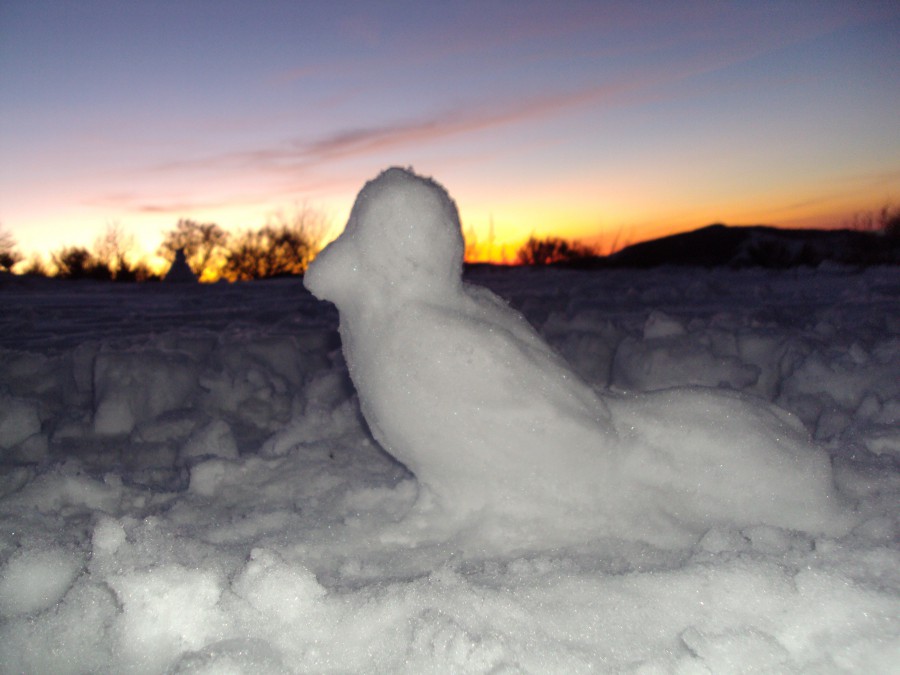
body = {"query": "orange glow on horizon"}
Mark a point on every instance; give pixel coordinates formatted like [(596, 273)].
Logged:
[(493, 232), (552, 122)]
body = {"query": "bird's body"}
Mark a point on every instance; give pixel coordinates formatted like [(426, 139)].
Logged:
[(475, 404)]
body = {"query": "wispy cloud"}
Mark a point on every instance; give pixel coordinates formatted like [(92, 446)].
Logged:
[(149, 204), (656, 80), (364, 141), (368, 140), (306, 160)]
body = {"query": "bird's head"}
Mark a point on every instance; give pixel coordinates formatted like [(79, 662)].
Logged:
[(403, 238)]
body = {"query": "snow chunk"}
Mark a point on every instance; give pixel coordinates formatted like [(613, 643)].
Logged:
[(277, 589), (666, 362), (207, 476), (883, 441), (18, 420), (133, 387), (730, 652), (35, 580), (236, 655), (213, 440), (166, 610), (70, 638), (661, 325), (108, 536)]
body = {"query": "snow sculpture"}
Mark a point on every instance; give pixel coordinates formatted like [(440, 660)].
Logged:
[(499, 431), (180, 271)]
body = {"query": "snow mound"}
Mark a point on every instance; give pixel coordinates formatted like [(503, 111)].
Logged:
[(501, 433)]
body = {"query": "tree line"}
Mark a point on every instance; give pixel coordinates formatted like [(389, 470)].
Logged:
[(282, 247), (552, 251)]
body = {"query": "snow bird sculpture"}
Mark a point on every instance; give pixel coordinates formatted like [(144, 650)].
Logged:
[(501, 433)]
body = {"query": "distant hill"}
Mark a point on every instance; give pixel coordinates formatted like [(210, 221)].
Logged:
[(757, 246)]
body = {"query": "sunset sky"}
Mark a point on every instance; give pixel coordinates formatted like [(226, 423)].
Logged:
[(595, 120)]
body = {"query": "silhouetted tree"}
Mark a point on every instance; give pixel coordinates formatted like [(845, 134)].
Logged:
[(470, 237), (204, 244), (35, 267), (76, 262), (487, 250), (283, 247), (268, 252), (9, 256), (890, 221), (551, 250), (138, 271), (112, 250), (885, 220)]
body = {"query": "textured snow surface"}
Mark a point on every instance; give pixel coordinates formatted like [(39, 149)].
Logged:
[(188, 485)]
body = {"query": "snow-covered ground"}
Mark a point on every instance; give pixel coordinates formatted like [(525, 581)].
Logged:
[(188, 486)]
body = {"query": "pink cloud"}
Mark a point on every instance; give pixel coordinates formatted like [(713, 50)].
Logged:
[(364, 141)]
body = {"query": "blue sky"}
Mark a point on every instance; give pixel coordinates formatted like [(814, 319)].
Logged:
[(583, 119)]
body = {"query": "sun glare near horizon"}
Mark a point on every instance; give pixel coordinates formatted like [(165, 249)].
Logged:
[(609, 123)]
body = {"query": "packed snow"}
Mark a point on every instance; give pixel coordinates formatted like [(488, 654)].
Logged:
[(502, 435), (527, 470)]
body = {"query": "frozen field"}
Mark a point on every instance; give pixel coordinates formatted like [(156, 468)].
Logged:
[(187, 486)]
